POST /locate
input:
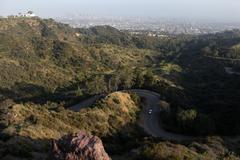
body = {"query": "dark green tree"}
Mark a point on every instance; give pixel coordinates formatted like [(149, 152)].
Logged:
[(96, 85)]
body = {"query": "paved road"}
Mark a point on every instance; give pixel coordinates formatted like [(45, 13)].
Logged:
[(85, 103), (229, 70), (150, 122), (224, 59)]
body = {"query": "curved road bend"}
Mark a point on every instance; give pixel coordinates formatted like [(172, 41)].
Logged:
[(85, 104), (150, 121)]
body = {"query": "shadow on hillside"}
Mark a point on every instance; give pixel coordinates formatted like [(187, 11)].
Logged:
[(19, 147), (130, 143), (233, 144), (16, 147), (21, 91), (129, 137), (127, 141), (26, 92)]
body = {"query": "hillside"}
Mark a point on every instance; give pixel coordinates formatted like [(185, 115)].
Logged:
[(47, 67), (27, 130), (47, 56)]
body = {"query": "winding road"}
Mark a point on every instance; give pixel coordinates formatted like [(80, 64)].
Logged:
[(85, 103), (150, 122), (229, 70)]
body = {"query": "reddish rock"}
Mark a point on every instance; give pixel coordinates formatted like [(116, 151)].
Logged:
[(80, 146)]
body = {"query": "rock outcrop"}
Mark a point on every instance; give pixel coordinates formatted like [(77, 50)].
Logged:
[(80, 146)]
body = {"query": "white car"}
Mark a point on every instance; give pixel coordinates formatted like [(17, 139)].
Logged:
[(150, 111)]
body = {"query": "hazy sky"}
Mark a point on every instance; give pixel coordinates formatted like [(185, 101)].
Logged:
[(197, 9)]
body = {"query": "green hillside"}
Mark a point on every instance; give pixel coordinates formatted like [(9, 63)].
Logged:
[(50, 56), (46, 67)]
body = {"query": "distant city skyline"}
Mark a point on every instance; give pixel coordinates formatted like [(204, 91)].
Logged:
[(218, 10)]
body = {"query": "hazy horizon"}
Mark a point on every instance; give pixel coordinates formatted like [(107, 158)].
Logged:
[(216, 10)]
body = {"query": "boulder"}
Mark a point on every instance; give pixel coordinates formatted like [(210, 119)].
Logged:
[(80, 146)]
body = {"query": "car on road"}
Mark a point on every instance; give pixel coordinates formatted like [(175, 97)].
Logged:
[(150, 111)]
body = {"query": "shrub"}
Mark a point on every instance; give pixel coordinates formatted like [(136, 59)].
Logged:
[(186, 120)]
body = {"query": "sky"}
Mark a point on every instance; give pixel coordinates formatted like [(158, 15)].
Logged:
[(223, 10)]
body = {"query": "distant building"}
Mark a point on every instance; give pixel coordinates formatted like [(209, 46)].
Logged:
[(28, 14)]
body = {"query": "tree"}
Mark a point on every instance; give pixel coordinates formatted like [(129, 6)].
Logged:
[(139, 79), (30, 12), (114, 82), (186, 119), (126, 77), (79, 92), (207, 51), (96, 85), (46, 31), (205, 124), (149, 78), (187, 115)]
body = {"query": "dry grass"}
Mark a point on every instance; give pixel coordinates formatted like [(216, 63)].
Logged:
[(40, 124)]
